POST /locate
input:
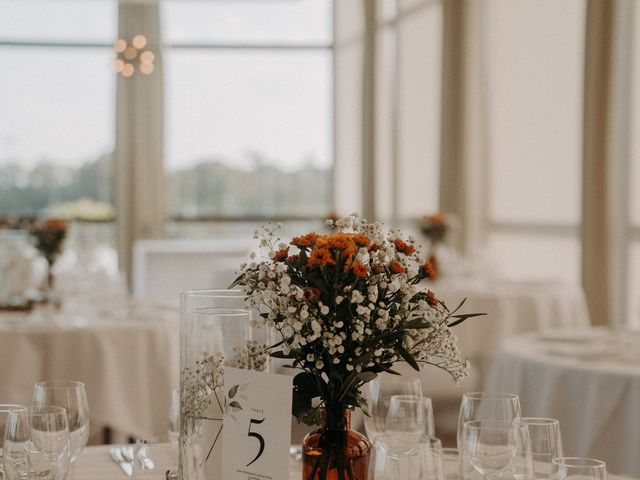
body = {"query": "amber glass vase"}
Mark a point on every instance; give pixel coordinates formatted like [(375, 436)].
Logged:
[(334, 451)]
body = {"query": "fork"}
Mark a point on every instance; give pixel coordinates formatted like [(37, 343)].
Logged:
[(146, 462)]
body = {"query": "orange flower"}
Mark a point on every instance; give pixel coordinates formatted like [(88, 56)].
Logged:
[(435, 218), (361, 240), (307, 240), (395, 267), (431, 298), (374, 247), (428, 270), (281, 255), (359, 269), (378, 268), (404, 247), (56, 224), (311, 293), (336, 240), (320, 257)]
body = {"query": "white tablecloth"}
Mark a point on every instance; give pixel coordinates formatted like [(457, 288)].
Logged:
[(512, 308), (126, 353), (95, 464), (589, 380)]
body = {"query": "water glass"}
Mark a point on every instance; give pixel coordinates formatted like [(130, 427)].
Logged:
[(575, 468), (490, 406), (379, 392), (36, 443), (174, 417), (546, 443), (406, 423), (4, 411), (72, 396), (491, 446)]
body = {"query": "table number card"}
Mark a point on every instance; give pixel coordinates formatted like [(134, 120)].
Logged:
[(257, 425)]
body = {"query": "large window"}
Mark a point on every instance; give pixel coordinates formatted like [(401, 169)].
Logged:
[(534, 143), (248, 110), (57, 91)]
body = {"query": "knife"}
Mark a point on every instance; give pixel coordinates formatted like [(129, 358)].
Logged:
[(117, 457)]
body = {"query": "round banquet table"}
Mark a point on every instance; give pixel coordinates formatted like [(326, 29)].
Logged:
[(588, 379), (512, 308), (126, 352)]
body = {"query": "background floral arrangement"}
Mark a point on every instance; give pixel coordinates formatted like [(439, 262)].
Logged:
[(347, 306), (435, 227), (49, 235)]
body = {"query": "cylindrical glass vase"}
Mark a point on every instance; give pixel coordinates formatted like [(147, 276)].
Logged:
[(214, 329)]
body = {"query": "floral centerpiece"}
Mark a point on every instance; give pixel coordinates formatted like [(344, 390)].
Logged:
[(49, 235), (436, 227), (347, 306)]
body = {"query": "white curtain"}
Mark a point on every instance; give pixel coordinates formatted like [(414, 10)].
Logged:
[(139, 176), (387, 71)]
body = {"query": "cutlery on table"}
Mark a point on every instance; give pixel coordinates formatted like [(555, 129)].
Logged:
[(116, 455), (128, 454)]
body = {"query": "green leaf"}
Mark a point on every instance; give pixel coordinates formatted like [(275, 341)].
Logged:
[(237, 281), (461, 318), (235, 404), (233, 390), (404, 353), (281, 354), (305, 381), (416, 323), (366, 376)]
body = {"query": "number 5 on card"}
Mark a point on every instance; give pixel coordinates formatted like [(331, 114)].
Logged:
[(257, 425)]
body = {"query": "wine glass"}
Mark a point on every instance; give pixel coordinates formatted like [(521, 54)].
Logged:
[(72, 396), (546, 443), (406, 423), (4, 411), (379, 392), (492, 406), (36, 443), (575, 468), (490, 445)]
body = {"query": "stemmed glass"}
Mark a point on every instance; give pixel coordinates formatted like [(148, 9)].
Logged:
[(489, 406), (574, 468), (406, 423), (490, 445), (36, 443), (546, 443), (379, 393), (4, 412), (71, 396)]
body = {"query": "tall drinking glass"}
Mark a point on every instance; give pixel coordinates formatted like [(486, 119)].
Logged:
[(490, 446), (214, 330), (36, 444), (71, 396), (574, 468), (405, 423), (4, 412), (487, 406), (546, 443), (379, 392)]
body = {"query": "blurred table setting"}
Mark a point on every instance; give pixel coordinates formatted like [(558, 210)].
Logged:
[(513, 308), (125, 350), (589, 378)]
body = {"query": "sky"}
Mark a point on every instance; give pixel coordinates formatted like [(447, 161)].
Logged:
[(59, 103)]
